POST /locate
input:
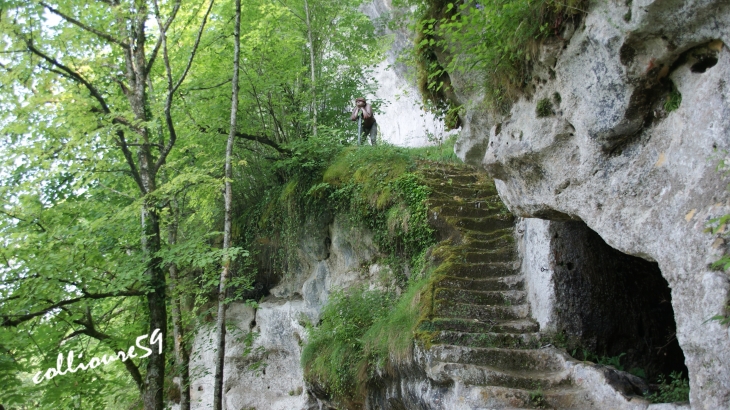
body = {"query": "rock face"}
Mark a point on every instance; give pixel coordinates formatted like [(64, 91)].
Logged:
[(599, 299), (611, 155), (478, 347), (401, 118), (263, 347)]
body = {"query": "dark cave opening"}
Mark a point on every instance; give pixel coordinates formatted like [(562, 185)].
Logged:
[(610, 304)]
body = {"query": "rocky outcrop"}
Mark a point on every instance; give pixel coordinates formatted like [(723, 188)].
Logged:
[(263, 347), (401, 117), (478, 347), (613, 155)]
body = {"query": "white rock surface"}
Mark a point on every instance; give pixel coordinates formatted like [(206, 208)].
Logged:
[(643, 179), (534, 248), (401, 119), (270, 375)]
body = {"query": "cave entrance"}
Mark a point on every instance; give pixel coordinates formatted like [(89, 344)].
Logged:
[(612, 304)]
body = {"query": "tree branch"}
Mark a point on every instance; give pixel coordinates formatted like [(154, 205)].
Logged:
[(73, 75), (90, 330), (171, 89), (262, 140), (195, 48), (90, 29), (208, 88), (163, 30), (8, 322), (34, 222)]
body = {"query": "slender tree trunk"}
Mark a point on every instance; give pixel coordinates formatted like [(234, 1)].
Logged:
[(221, 323), (155, 379), (311, 68), (182, 358)]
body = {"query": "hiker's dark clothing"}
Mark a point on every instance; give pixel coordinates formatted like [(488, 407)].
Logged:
[(369, 126)]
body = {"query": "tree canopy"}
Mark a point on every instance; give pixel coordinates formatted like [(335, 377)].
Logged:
[(114, 117)]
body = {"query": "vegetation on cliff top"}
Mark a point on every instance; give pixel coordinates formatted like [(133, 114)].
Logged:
[(113, 117), (495, 43)]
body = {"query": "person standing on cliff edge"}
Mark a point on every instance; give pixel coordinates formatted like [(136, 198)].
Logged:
[(369, 126)]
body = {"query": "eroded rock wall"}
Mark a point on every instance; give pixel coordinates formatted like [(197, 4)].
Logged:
[(267, 374), (598, 299), (612, 156), (401, 118)]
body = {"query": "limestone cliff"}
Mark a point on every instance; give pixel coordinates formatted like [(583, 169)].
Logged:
[(612, 193), (611, 155)]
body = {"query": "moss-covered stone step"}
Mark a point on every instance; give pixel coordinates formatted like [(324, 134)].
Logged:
[(453, 175), (459, 193), (483, 225), (476, 326), (489, 202), (506, 240), (479, 270), (503, 283), (489, 339), (484, 313), (503, 298), (466, 255), (462, 211), (562, 397), (491, 376), (506, 359), (475, 235)]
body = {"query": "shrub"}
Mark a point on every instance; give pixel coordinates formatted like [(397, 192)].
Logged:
[(544, 108), (676, 390), (673, 101), (499, 39), (335, 349)]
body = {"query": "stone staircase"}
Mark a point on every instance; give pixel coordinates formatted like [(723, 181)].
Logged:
[(477, 330)]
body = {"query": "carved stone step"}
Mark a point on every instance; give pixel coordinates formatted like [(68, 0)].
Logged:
[(458, 194), (484, 225), (490, 202), (467, 256), (506, 359), (504, 241), (461, 211), (470, 235), (483, 313), (490, 376), (479, 270), (476, 326), (502, 283), (489, 339), (502, 298), (447, 177), (563, 397)]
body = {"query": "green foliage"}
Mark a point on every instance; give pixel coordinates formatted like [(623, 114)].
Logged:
[(671, 390), (363, 333), (537, 398), (335, 348), (389, 341), (498, 39), (70, 216), (639, 372), (443, 152), (719, 226), (544, 108), (557, 98), (673, 100), (614, 361)]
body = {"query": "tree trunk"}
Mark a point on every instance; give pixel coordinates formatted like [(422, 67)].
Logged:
[(221, 322), (155, 379), (182, 358), (311, 68)]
